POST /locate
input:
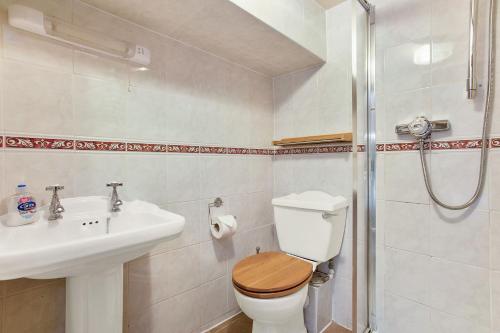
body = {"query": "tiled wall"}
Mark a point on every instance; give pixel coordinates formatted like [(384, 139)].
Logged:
[(153, 130), (438, 269), (313, 102)]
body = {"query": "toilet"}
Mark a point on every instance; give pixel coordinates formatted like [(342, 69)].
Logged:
[(271, 287)]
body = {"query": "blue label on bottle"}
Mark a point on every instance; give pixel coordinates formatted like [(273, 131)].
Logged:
[(26, 206)]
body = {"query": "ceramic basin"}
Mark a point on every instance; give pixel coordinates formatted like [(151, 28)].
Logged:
[(89, 246)]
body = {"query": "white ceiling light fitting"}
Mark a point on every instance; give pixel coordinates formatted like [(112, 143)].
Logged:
[(37, 22)]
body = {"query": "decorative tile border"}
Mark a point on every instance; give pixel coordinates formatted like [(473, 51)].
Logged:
[(212, 150), (402, 146), (38, 143), (183, 149), (100, 145), (458, 144), (495, 143), (237, 151), (21, 142), (147, 147)]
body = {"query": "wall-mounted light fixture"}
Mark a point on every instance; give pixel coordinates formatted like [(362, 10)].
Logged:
[(37, 22)]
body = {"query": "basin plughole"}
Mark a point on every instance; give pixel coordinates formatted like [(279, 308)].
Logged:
[(88, 247)]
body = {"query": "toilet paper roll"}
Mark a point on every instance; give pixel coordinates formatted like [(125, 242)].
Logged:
[(224, 226)]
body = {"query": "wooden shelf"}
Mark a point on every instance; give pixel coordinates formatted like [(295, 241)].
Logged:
[(315, 139)]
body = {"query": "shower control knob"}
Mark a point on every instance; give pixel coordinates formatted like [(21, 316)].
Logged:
[(420, 127)]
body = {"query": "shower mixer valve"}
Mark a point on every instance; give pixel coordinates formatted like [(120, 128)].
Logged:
[(421, 127)]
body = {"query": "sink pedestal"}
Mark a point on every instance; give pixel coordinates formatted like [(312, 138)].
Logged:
[(94, 302)]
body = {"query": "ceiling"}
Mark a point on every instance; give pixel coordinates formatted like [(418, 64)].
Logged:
[(219, 27), (329, 3)]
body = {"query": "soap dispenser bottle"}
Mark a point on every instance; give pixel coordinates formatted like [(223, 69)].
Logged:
[(22, 208)]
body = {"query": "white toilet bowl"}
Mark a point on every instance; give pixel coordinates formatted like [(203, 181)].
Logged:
[(275, 315), (271, 288)]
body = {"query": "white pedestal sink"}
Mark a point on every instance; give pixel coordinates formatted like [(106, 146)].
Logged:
[(88, 247)]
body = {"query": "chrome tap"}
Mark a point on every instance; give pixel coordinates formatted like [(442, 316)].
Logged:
[(55, 208), (115, 200)]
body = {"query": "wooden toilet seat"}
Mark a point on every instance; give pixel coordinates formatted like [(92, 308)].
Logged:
[(271, 275)]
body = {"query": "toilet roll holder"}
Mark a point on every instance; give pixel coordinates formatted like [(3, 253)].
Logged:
[(217, 203)]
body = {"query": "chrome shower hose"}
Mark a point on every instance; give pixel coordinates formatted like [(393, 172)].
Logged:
[(484, 143)]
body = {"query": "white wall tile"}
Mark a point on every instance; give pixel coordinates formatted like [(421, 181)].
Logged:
[(461, 236), (407, 67), (342, 302), (183, 271), (494, 180), (145, 176), (407, 274), (454, 177), (184, 314), (460, 290), (39, 169), (99, 107), (407, 226), (465, 116), (213, 299), (495, 298), (403, 178), (238, 205), (213, 262), (445, 323), (145, 112), (45, 108), (402, 21), (93, 171), (192, 228), (213, 176), (402, 315), (146, 283), (495, 240), (183, 178)]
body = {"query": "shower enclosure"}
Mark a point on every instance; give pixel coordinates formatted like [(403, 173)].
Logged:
[(430, 267)]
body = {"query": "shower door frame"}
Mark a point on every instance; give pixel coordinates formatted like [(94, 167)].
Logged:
[(371, 154)]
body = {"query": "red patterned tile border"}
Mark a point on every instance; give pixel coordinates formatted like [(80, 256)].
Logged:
[(458, 144), (147, 147), (183, 149), (237, 151), (100, 145), (401, 146), (213, 150), (38, 143), (495, 143), (261, 151), (97, 145)]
